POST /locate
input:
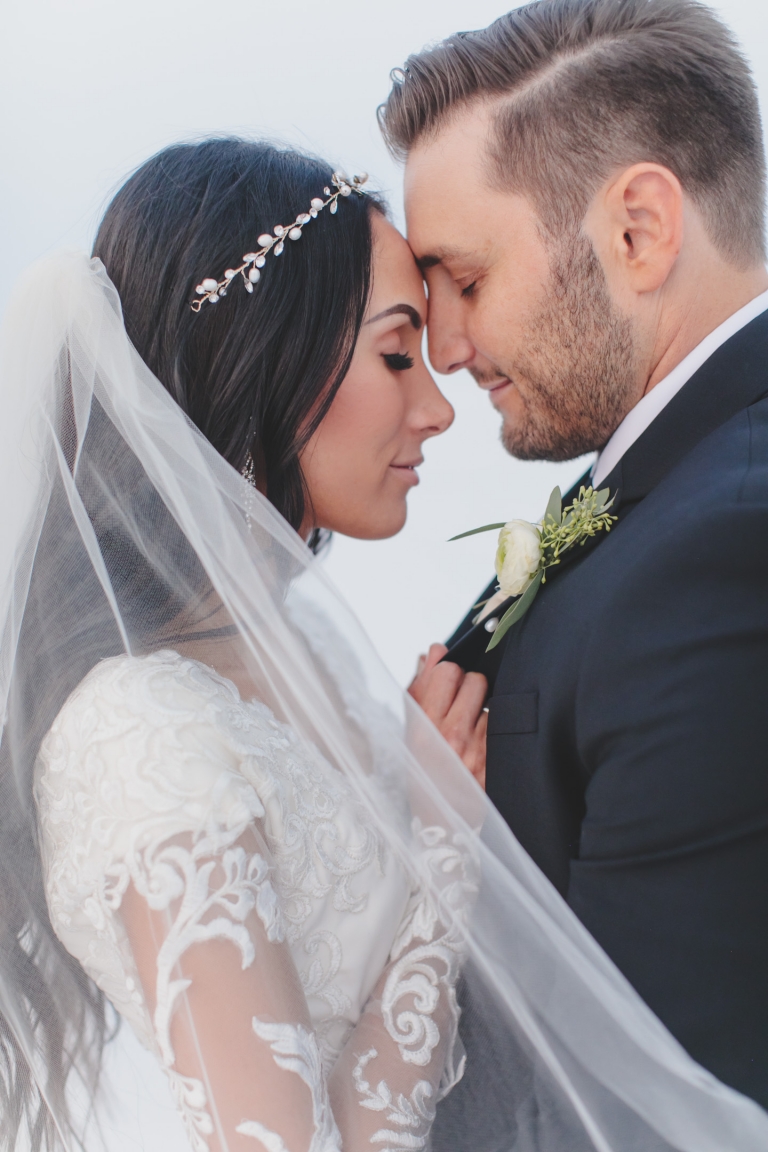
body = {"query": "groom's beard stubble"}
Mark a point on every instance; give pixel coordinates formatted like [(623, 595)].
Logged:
[(576, 377)]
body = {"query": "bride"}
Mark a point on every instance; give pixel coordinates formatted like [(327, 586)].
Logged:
[(221, 822)]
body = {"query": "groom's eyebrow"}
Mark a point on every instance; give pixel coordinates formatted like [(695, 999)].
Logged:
[(400, 309), (439, 257)]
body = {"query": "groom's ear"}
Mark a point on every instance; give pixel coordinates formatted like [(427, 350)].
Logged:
[(636, 222)]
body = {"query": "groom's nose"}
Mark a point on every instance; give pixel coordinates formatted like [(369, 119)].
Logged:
[(449, 345)]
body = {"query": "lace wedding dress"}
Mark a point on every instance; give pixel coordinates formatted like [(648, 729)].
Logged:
[(219, 881)]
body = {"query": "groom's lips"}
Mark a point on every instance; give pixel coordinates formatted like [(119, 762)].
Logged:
[(499, 386)]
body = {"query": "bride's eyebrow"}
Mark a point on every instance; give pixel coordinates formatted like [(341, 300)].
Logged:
[(400, 309)]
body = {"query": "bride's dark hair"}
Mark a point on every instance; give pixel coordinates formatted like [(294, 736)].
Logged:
[(256, 373)]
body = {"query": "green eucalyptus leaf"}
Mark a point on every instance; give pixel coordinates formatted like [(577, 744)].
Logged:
[(517, 610), (555, 507), (474, 531)]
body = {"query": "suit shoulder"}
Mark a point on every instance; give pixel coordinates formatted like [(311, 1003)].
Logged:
[(728, 468)]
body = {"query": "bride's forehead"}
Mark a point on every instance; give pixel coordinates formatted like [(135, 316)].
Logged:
[(396, 276)]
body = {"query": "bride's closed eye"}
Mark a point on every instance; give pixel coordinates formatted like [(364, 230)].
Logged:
[(398, 361)]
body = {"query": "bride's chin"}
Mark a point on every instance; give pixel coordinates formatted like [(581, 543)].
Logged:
[(393, 516), (381, 522)]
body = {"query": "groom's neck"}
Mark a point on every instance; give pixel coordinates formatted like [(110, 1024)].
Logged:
[(705, 293)]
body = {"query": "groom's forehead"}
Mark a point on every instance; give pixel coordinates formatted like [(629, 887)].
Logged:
[(454, 226), (446, 177), (438, 208)]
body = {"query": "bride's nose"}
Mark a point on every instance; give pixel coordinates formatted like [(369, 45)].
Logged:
[(430, 414)]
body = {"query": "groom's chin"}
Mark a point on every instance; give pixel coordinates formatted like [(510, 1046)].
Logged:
[(524, 435), (522, 442), (529, 440)]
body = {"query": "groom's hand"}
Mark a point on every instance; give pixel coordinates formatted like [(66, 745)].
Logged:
[(454, 701)]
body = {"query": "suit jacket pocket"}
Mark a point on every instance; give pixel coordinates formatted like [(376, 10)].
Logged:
[(513, 714)]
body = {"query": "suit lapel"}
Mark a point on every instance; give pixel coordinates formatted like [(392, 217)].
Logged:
[(735, 376)]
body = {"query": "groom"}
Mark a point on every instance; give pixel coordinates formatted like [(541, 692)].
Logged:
[(584, 192)]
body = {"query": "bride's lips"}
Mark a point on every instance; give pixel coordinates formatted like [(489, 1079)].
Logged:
[(408, 471)]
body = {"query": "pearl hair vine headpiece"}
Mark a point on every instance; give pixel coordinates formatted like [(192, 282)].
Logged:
[(250, 269)]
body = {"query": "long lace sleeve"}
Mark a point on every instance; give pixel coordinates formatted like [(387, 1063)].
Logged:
[(229, 1013)]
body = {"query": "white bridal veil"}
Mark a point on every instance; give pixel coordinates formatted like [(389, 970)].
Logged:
[(123, 531)]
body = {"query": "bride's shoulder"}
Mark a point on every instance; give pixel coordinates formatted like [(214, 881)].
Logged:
[(162, 681), (132, 712), (155, 690)]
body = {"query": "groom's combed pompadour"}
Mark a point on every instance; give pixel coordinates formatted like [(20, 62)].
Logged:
[(585, 86)]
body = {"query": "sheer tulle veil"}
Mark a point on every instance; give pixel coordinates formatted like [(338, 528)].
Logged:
[(123, 531)]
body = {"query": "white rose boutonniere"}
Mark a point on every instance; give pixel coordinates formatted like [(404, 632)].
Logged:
[(518, 556), (526, 551)]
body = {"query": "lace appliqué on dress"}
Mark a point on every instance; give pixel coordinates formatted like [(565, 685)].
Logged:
[(424, 971), (295, 1050), (413, 1115), (244, 888), (419, 991)]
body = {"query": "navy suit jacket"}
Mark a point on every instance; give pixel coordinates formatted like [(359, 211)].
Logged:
[(628, 717)]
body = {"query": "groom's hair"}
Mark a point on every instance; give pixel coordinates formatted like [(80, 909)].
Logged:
[(585, 86)]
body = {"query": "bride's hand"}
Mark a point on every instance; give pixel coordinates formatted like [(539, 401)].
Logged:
[(454, 701)]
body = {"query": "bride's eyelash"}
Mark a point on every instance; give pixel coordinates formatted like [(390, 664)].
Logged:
[(398, 361)]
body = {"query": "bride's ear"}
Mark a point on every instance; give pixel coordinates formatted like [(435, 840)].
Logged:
[(636, 222)]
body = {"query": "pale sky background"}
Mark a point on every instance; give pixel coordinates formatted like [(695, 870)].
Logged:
[(90, 88)]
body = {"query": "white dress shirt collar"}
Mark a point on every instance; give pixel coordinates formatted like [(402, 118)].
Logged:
[(646, 410)]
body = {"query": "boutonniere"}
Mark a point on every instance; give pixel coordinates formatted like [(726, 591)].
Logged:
[(525, 551)]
